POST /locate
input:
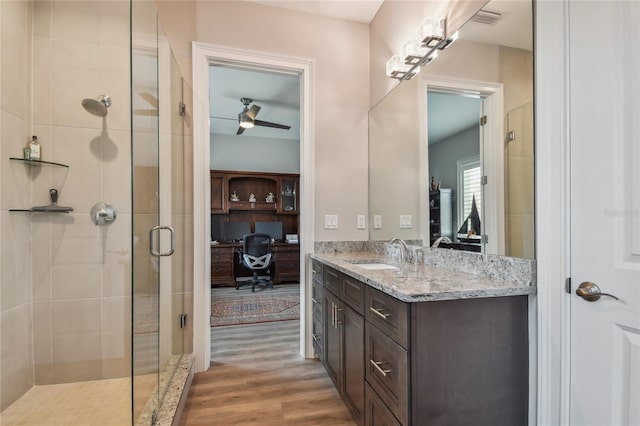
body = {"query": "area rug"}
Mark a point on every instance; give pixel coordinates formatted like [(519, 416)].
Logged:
[(254, 309)]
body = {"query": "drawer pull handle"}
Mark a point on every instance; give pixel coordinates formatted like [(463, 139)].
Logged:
[(314, 271), (315, 338), (378, 313), (218, 269), (314, 300), (377, 366)]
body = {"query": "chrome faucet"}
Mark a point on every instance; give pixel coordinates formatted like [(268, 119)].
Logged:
[(437, 242), (405, 252)]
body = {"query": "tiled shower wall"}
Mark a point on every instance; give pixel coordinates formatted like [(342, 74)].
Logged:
[(16, 359), (82, 272), (64, 279)]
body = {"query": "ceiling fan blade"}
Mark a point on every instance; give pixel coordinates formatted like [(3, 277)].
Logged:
[(253, 111), (240, 130), (269, 124)]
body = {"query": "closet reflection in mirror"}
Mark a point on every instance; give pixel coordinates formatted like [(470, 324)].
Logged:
[(424, 128)]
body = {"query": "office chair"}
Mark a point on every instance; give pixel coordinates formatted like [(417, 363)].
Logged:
[(257, 256)]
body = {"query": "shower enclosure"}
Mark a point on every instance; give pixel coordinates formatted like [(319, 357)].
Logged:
[(95, 302)]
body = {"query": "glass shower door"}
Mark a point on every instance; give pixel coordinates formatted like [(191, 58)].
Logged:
[(145, 169)]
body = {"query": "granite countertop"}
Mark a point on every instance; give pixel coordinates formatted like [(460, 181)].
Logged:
[(421, 283)]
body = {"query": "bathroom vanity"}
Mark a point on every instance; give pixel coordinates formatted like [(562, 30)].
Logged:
[(430, 346)]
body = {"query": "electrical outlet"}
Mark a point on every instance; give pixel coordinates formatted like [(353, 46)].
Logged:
[(330, 221), (360, 222), (405, 221), (377, 221)]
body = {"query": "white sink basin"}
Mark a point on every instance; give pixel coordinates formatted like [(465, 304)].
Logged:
[(374, 266)]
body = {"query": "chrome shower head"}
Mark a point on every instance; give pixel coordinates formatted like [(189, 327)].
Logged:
[(98, 106)]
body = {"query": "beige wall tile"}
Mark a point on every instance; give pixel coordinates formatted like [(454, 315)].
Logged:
[(41, 255), (520, 186), (76, 147), (116, 163), (117, 257), (77, 339), (16, 354), (116, 337), (42, 343), (16, 176), (15, 260), (15, 50), (72, 20), (114, 23), (76, 281), (42, 18), (145, 269), (75, 240)]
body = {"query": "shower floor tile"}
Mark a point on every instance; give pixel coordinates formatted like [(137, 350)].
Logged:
[(100, 402)]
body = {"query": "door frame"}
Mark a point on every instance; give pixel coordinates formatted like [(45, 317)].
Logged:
[(552, 149), (492, 95), (203, 55)]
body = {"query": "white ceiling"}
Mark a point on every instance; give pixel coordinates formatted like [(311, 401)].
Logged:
[(351, 10), (448, 114), (279, 94)]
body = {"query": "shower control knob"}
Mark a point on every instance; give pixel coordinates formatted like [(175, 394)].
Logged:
[(103, 214)]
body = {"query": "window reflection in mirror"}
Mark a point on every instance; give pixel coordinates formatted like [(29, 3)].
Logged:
[(491, 64)]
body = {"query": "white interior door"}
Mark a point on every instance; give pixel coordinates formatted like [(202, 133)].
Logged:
[(605, 211)]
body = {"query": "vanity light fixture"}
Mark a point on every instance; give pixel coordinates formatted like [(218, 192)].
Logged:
[(432, 31), (398, 69), (420, 51), (448, 41), (413, 51)]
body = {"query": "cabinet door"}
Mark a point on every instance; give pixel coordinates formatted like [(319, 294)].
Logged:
[(219, 202), (288, 203), (376, 413), (332, 339), (353, 335), (318, 321)]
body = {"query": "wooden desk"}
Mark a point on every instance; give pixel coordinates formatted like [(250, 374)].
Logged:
[(226, 265)]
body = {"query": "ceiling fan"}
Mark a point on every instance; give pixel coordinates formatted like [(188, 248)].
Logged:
[(247, 118)]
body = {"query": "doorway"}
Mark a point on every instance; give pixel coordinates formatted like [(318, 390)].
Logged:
[(485, 100), (204, 57)]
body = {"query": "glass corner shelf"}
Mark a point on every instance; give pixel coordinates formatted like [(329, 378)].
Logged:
[(37, 163), (43, 210)]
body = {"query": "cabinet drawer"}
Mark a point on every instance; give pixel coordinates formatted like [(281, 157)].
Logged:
[(387, 371), (316, 271), (389, 314), (353, 293), (222, 270), (221, 255), (376, 414), (287, 255), (291, 266), (332, 280)]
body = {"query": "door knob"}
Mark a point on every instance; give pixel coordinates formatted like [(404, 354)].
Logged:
[(591, 292)]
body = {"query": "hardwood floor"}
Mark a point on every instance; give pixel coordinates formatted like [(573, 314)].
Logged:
[(258, 378)]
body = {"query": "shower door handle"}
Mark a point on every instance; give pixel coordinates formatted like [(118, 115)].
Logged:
[(152, 240)]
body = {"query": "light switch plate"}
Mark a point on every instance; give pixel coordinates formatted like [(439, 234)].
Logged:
[(377, 221), (331, 221), (361, 222), (405, 221)]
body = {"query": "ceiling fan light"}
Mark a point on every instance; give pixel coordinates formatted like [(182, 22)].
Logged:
[(245, 122)]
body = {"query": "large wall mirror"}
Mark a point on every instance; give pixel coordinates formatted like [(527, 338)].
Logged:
[(440, 171)]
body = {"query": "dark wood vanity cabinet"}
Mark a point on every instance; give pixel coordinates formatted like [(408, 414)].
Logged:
[(344, 342), (450, 362), (317, 300)]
